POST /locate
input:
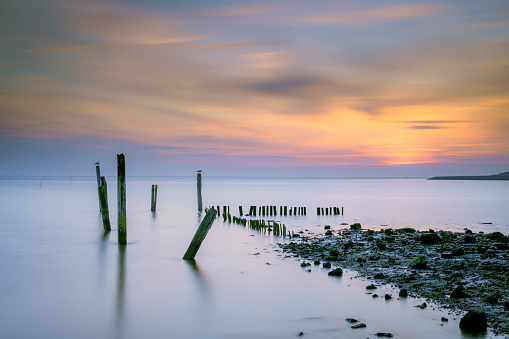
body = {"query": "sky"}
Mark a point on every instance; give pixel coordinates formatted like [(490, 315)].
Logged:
[(298, 88)]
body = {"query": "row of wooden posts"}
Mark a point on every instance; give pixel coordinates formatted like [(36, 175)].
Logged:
[(207, 221), (257, 224)]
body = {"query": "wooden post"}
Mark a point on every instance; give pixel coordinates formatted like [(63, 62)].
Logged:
[(240, 211), (121, 200), (153, 201), (98, 176), (198, 186), (103, 197), (286, 210), (342, 210), (318, 211), (200, 234), (218, 209)]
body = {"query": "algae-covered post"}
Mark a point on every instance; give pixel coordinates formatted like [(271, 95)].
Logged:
[(103, 197), (200, 234), (240, 211), (198, 186), (98, 176), (153, 200), (121, 201)]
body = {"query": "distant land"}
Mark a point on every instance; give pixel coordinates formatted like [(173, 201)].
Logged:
[(500, 176)]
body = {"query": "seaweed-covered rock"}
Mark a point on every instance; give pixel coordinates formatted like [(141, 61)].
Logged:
[(356, 226), (359, 325), (334, 252), (469, 239), (419, 263), (371, 287), (406, 230), (496, 236), (326, 265), (384, 335), (352, 320), (336, 272), (458, 292), (458, 251), (474, 321), (403, 293), (430, 238)]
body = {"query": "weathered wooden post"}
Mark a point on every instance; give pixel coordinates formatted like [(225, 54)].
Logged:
[(198, 186), (318, 211), (218, 209), (121, 201), (153, 201), (200, 234), (342, 210), (240, 211), (98, 177), (286, 210), (103, 197)]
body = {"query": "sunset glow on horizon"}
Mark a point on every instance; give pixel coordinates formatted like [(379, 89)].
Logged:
[(258, 83)]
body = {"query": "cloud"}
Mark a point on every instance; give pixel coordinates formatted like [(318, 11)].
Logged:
[(425, 127)]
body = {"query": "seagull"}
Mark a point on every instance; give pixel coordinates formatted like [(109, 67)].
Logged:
[(199, 171), (97, 163)]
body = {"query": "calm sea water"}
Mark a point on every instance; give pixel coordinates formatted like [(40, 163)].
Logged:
[(62, 277)]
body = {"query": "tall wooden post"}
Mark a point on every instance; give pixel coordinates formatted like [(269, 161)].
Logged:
[(240, 211), (98, 176), (198, 186), (103, 197), (153, 200), (121, 201), (200, 234)]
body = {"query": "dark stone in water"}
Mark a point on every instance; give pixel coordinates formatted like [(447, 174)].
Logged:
[(316, 262), (336, 272), (360, 325), (422, 306), (375, 295), (444, 319), (458, 251), (379, 276), (403, 293), (326, 265), (406, 230), (429, 239), (334, 252), (326, 227), (356, 226), (300, 334), (388, 297), (446, 255), (371, 287), (419, 263), (474, 321), (384, 335), (352, 320), (458, 293), (328, 232), (304, 264)]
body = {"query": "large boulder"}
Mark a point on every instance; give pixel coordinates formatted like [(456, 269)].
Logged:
[(419, 263), (474, 321), (430, 238)]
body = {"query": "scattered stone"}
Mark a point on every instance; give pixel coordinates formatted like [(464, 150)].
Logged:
[(267, 263), (305, 264), (506, 305), (326, 227), (388, 296), (326, 265), (469, 239), (356, 226), (384, 335), (403, 293), (446, 255), (458, 292), (300, 334), (336, 272), (379, 276), (419, 263), (444, 319), (407, 230), (430, 238), (496, 236), (422, 306), (334, 252), (316, 262), (371, 287), (458, 251), (474, 321), (375, 295), (328, 232), (359, 325), (352, 320)]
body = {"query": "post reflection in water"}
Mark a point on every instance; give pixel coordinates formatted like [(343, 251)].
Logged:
[(200, 279), (103, 244), (120, 290)]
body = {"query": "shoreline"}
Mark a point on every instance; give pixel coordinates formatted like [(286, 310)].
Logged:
[(456, 270)]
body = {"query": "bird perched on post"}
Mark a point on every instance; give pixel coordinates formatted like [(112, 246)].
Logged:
[(97, 163), (199, 171)]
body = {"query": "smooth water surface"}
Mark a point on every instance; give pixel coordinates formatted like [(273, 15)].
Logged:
[(62, 277)]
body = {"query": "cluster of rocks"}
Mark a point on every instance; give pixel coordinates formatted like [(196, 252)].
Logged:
[(462, 271)]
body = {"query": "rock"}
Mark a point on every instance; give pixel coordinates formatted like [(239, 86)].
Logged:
[(375, 295), (359, 325), (388, 297), (458, 251), (419, 263), (506, 305), (348, 245), (474, 321), (422, 306), (352, 320), (334, 252), (430, 238), (379, 276), (446, 255), (384, 335), (328, 232), (406, 230), (300, 334), (326, 265), (326, 227), (336, 272), (316, 262), (305, 264), (331, 258), (403, 293), (469, 239), (371, 287), (356, 226), (496, 236), (458, 293), (444, 319)]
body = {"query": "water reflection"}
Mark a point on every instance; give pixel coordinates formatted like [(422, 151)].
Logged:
[(471, 335), (202, 284), (121, 290)]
